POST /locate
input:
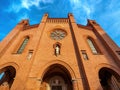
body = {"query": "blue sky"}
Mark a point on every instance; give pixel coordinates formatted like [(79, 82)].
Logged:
[(105, 12)]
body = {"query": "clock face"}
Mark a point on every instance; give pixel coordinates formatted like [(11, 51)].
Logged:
[(58, 34)]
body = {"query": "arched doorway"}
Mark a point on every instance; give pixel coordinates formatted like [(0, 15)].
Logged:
[(7, 76), (109, 79), (57, 77)]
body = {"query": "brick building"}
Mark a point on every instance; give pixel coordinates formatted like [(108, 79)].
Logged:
[(59, 54)]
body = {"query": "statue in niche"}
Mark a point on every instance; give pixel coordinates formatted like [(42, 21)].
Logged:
[(5, 83), (4, 86), (57, 50)]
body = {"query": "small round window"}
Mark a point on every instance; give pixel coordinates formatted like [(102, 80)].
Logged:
[(58, 34)]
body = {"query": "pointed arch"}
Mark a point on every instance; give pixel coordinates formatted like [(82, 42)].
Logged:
[(46, 67), (109, 79), (8, 75), (59, 73), (107, 75)]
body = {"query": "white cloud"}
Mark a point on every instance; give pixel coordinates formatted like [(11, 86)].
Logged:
[(87, 10), (14, 8), (26, 4), (81, 10), (75, 3), (107, 14), (81, 6), (23, 16), (110, 20), (46, 1)]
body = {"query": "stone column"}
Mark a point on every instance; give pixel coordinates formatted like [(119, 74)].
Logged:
[(38, 84), (74, 83)]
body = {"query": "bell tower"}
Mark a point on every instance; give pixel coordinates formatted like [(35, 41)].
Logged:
[(59, 54)]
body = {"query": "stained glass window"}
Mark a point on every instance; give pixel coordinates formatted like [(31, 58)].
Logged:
[(58, 34)]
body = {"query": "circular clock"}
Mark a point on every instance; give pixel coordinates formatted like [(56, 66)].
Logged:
[(58, 34)]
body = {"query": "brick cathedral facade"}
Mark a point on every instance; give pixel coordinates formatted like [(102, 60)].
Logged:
[(59, 54)]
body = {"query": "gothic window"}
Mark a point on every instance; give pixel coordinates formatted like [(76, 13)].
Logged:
[(92, 46), (22, 47)]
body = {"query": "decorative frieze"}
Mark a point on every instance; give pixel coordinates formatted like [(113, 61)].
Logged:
[(57, 20)]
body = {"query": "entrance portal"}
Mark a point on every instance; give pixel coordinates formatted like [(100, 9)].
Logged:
[(57, 83), (109, 79), (7, 75), (57, 77), (56, 87)]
